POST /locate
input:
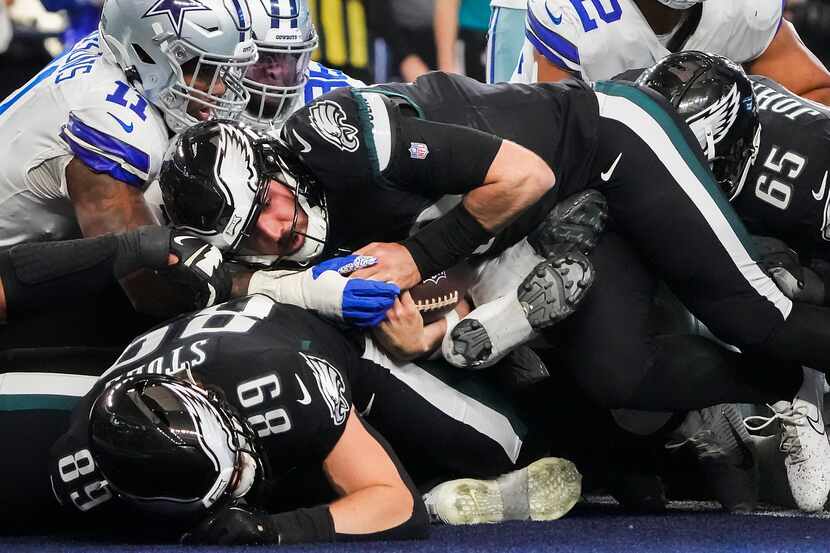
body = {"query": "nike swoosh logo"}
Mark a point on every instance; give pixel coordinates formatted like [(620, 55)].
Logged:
[(556, 20), (302, 141), (306, 399), (606, 175), (820, 194), (128, 128), (368, 409), (178, 239), (815, 423)]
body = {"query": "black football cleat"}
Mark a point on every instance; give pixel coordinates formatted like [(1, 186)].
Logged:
[(578, 219), (555, 287)]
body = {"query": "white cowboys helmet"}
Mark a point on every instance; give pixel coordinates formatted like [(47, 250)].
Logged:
[(153, 39), (680, 4), (285, 38)]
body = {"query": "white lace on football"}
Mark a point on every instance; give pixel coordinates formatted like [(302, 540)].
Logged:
[(440, 302)]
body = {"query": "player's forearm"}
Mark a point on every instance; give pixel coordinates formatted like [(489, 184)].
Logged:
[(45, 275), (517, 178), (371, 510), (820, 95)]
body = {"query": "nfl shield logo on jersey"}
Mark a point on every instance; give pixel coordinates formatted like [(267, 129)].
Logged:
[(418, 150), (331, 385)]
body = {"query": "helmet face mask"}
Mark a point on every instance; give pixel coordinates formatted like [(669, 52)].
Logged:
[(168, 446), (716, 99), (213, 83), (152, 39), (285, 38)]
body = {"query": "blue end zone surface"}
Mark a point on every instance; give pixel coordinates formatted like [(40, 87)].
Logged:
[(594, 529)]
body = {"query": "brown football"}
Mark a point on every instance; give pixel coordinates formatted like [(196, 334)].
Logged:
[(438, 295)]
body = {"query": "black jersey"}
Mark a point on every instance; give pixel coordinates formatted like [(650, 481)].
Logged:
[(286, 371), (786, 193), (394, 156)]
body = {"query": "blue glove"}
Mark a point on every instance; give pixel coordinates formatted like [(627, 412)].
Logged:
[(364, 303)]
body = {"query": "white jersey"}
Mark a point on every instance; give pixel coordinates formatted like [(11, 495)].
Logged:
[(80, 106), (322, 79), (513, 4), (599, 39)]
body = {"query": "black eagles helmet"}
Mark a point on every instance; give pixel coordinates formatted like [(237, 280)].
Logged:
[(169, 447), (215, 179), (715, 97)]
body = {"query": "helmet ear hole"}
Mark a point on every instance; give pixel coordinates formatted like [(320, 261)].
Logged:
[(142, 54)]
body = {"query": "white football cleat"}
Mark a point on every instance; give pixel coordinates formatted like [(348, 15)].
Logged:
[(544, 490), (549, 294), (803, 440)]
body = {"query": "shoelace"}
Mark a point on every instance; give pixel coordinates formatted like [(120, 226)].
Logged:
[(704, 442), (788, 418)]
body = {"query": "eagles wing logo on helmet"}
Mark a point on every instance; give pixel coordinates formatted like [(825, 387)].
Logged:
[(331, 385), (235, 166), (235, 161), (716, 120), (329, 120)]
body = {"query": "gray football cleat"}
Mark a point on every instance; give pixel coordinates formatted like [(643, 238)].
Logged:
[(725, 453), (550, 293), (544, 490)]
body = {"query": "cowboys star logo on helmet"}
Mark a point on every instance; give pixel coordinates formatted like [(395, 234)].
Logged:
[(329, 120), (175, 10), (712, 124)]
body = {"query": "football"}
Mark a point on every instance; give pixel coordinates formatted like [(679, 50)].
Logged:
[(438, 295)]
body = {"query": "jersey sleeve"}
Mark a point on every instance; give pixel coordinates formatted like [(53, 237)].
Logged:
[(755, 26), (554, 29), (120, 135), (357, 136), (330, 141)]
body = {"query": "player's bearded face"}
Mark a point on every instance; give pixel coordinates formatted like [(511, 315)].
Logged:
[(276, 231)]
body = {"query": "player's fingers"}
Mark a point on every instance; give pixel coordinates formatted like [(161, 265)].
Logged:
[(373, 289), (368, 249), (407, 301), (366, 273)]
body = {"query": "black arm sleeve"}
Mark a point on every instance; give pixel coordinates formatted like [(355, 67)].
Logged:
[(42, 275), (439, 158)]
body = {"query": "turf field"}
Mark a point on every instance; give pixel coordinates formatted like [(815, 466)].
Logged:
[(596, 526)]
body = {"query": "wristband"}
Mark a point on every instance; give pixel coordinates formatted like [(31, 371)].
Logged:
[(446, 241), (302, 525)]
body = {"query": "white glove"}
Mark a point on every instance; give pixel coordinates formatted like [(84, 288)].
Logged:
[(324, 290)]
